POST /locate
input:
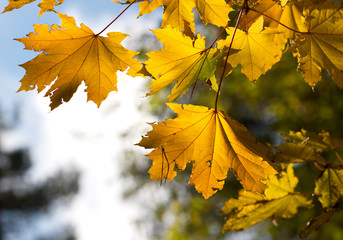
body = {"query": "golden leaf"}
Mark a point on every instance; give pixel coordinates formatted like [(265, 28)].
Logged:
[(15, 4), (45, 5), (147, 7), (329, 187), (182, 60), (280, 201), (71, 55), (289, 152), (214, 142), (276, 12), (48, 5), (257, 51), (321, 46), (214, 11)]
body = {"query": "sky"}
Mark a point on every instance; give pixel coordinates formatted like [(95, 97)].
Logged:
[(78, 134)]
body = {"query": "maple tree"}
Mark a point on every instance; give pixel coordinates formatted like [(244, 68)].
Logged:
[(252, 36)]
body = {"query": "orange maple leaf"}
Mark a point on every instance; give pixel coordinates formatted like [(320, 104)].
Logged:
[(214, 142), (71, 55)]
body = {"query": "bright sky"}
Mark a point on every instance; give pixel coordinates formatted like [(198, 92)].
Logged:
[(78, 133)]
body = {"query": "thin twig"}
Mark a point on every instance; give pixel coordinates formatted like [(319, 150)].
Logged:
[(116, 17), (165, 156), (228, 53), (339, 157), (221, 32)]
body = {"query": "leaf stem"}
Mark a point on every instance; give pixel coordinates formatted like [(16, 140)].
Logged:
[(318, 167), (339, 157), (116, 17), (221, 32), (228, 53)]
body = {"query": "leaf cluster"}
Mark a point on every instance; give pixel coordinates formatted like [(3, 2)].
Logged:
[(252, 36)]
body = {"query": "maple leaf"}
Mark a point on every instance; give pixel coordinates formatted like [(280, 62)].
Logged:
[(147, 7), (48, 5), (289, 152), (257, 51), (279, 201), (179, 15), (275, 12), (45, 5), (15, 4), (320, 47), (214, 142), (329, 187), (182, 60), (214, 11), (71, 55), (321, 142)]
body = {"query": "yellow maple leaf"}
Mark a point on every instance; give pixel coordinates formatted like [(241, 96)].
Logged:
[(329, 187), (71, 55), (182, 60), (45, 5), (279, 201), (179, 15), (257, 51), (289, 152), (147, 7), (48, 5), (15, 4), (321, 142), (276, 12), (320, 47), (214, 142), (214, 11)]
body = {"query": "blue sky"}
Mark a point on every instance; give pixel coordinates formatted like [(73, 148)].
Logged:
[(78, 133)]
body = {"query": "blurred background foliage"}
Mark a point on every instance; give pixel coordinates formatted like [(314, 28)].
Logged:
[(23, 202), (280, 101)]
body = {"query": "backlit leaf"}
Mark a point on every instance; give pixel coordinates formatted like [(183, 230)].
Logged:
[(318, 142), (147, 7), (329, 187), (182, 60), (214, 11), (48, 5), (214, 142), (280, 201), (321, 47), (289, 152), (257, 51), (71, 55), (45, 5), (276, 12), (280, 187), (178, 14), (15, 4)]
